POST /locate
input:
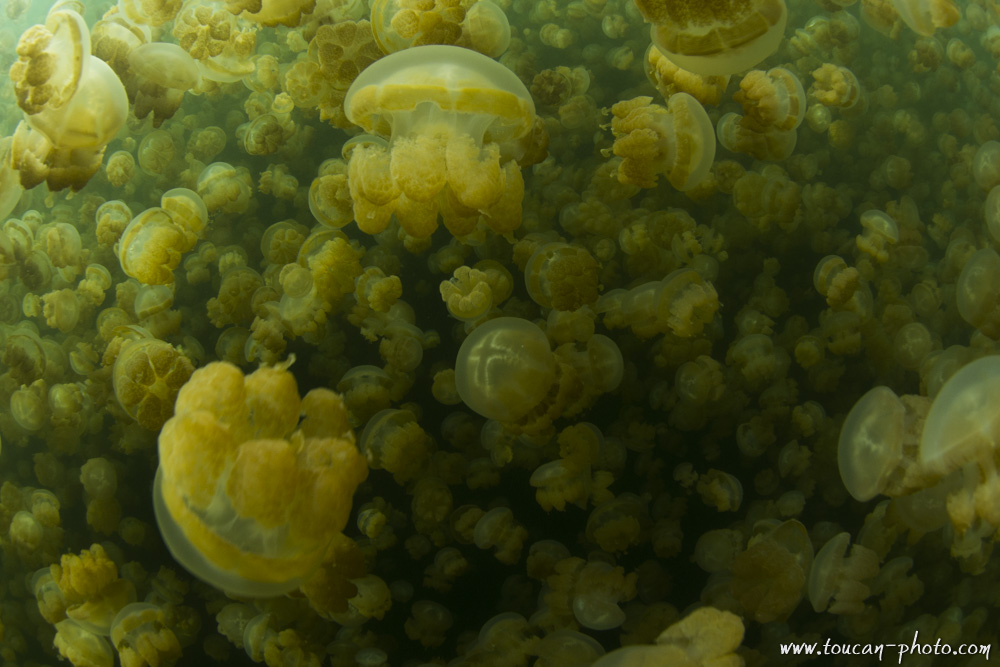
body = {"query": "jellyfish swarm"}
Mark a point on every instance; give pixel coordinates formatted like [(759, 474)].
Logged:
[(248, 496), (453, 118)]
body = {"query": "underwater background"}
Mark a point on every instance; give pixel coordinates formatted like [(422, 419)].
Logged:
[(458, 332)]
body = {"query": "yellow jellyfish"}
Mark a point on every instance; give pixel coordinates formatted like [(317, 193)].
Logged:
[(453, 118), (712, 38), (73, 102), (482, 27), (676, 141), (146, 377), (926, 16), (254, 482), (505, 368)]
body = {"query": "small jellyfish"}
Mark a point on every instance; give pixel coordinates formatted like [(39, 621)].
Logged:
[(151, 246), (677, 141), (146, 377), (505, 368)]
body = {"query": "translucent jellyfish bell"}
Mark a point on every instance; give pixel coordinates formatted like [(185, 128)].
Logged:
[(986, 165), (472, 90), (926, 16), (166, 65), (486, 29), (712, 38), (504, 368), (977, 291), (871, 443), (962, 424)]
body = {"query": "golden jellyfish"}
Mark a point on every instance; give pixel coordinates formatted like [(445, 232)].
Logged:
[(712, 38), (149, 12), (682, 303), (272, 13), (960, 425), (254, 482), (677, 141), (454, 118), (222, 43), (402, 24), (120, 168), (735, 133), (505, 368), (835, 86), (772, 99), (207, 142), (112, 217), (706, 636), (142, 636), (156, 152), (224, 187), (880, 233), (74, 104), (925, 16), (146, 377), (61, 309), (263, 135), (162, 72), (871, 443), (769, 577), (282, 241), (960, 434), (977, 292), (82, 647), (467, 294), (485, 29), (838, 581), (188, 211), (27, 407), (393, 441), (561, 276), (669, 79), (336, 55), (330, 196), (151, 246), (986, 165)]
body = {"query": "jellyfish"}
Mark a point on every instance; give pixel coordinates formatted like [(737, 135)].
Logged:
[(247, 496), (73, 102), (712, 38), (453, 118)]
